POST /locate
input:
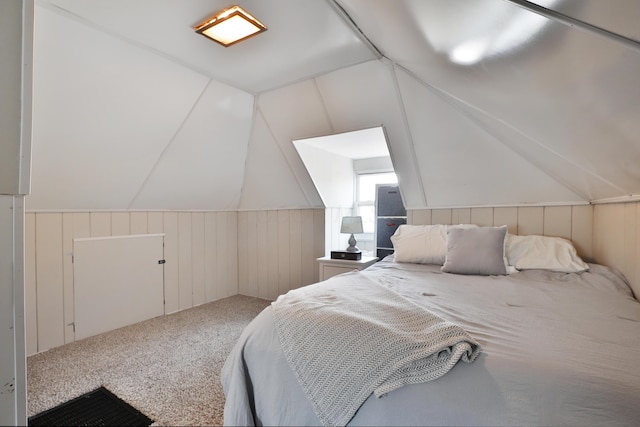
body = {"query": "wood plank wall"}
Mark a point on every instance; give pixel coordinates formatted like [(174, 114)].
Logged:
[(278, 250), (570, 222), (607, 234), (212, 255), (209, 255), (334, 240), (616, 239)]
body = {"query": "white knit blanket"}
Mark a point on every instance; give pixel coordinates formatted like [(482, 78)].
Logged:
[(348, 337)]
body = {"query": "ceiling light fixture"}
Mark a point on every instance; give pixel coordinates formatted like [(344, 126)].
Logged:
[(229, 26)]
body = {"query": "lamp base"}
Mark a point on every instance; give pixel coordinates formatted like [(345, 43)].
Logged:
[(352, 245)]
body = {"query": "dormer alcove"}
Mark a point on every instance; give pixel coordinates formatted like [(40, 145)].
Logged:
[(342, 166)]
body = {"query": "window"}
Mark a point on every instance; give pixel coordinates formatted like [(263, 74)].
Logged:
[(366, 198), (345, 169)]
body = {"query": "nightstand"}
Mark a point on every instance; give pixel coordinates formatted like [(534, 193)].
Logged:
[(331, 267)]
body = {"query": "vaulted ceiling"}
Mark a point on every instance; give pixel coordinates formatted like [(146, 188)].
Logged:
[(484, 102)]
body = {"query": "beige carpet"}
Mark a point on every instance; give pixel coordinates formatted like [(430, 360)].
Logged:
[(167, 367)]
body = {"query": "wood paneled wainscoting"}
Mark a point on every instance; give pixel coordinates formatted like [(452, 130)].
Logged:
[(264, 253), (616, 239), (573, 222), (209, 256), (604, 233)]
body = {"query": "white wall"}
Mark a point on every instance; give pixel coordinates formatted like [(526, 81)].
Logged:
[(334, 240), (572, 222), (331, 173), (616, 239), (106, 107), (264, 253), (607, 234), (200, 252), (16, 54), (209, 256), (455, 136), (277, 250), (12, 331), (373, 164), (16, 38)]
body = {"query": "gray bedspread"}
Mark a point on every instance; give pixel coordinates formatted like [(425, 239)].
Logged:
[(557, 350), (344, 341)]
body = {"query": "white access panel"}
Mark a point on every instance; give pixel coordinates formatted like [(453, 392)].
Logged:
[(118, 281)]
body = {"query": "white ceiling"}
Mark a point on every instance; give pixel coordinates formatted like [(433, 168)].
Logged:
[(303, 38), (484, 102), (357, 144)]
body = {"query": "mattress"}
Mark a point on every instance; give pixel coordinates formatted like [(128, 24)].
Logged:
[(557, 349)]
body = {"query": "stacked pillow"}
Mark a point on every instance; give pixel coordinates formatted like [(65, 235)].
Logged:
[(470, 249), (420, 244), (544, 252)]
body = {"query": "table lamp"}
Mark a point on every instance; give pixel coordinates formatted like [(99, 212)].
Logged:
[(351, 225)]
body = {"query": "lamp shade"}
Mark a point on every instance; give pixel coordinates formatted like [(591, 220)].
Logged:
[(351, 225)]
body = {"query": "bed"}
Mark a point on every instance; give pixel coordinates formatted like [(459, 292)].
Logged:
[(533, 335)]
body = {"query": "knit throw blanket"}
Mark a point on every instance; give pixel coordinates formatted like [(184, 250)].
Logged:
[(348, 337)]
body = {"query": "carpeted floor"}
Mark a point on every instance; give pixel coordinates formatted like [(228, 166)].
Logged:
[(167, 367)]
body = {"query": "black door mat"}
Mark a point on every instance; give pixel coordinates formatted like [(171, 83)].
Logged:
[(99, 407)]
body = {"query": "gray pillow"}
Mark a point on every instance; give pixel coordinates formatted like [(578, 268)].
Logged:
[(478, 251)]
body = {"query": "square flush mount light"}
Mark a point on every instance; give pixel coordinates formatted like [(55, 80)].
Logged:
[(229, 26)]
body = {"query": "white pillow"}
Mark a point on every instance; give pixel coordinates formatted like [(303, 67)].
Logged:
[(420, 244), (543, 252)]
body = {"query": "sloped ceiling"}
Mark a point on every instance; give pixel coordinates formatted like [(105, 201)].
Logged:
[(484, 102)]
